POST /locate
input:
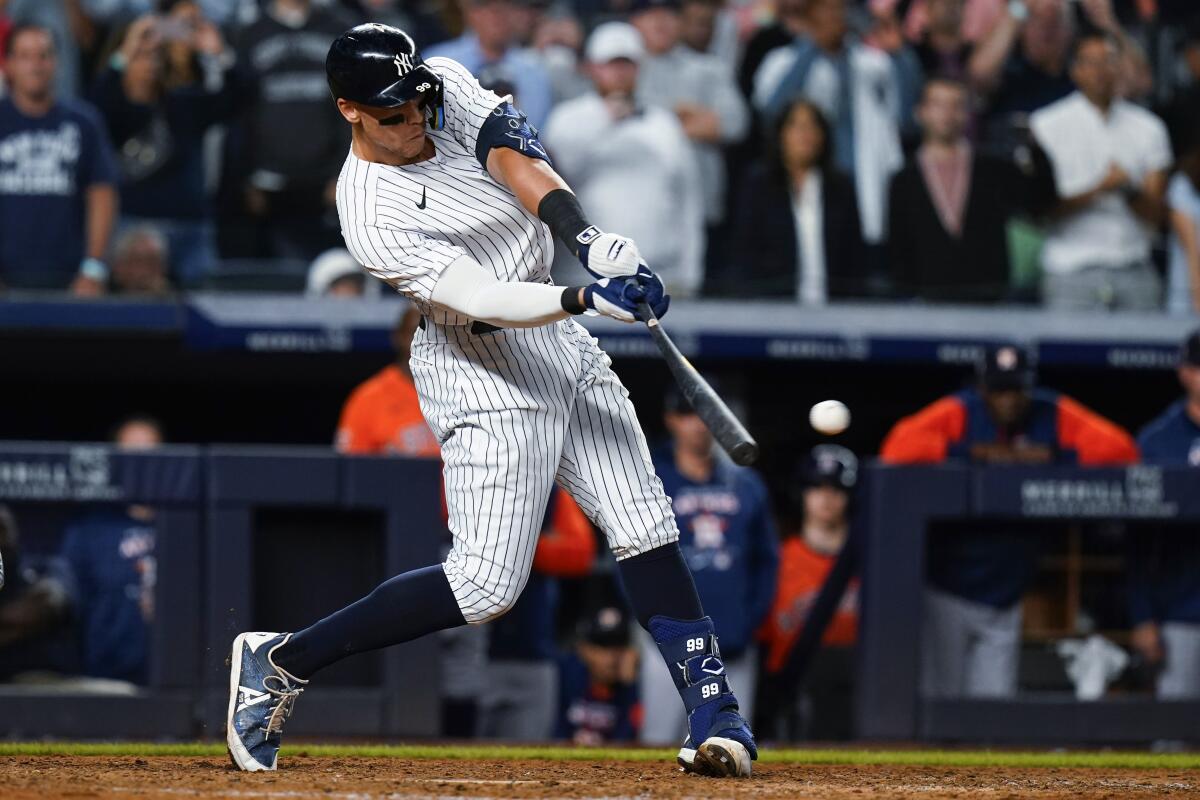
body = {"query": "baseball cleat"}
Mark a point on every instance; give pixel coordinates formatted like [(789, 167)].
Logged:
[(261, 696), (727, 746), (717, 757)]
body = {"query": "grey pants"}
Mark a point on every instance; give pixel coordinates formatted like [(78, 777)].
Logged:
[(519, 702), (1136, 287), (664, 721), (1180, 678), (968, 649)]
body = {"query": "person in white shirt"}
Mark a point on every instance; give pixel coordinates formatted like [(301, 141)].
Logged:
[(1110, 161), (697, 87), (631, 165)]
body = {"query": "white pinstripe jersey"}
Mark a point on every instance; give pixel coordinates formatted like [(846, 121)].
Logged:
[(407, 224)]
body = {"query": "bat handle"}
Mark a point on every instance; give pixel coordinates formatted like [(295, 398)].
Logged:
[(646, 314)]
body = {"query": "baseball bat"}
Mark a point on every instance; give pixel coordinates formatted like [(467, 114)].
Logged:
[(725, 427)]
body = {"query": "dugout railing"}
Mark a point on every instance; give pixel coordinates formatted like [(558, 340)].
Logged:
[(899, 505)]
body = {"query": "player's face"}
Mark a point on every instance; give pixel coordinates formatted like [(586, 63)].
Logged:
[(825, 505), (1007, 407), (398, 131), (138, 436), (689, 432), (1189, 377), (31, 64)]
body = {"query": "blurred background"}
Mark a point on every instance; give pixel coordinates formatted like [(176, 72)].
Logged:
[(974, 222)]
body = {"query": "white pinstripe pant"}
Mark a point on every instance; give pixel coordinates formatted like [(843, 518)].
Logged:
[(514, 411)]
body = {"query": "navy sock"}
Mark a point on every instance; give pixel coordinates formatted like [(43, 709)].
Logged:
[(401, 609), (659, 584)]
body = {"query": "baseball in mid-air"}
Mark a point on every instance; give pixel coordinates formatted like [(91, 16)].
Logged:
[(829, 417)]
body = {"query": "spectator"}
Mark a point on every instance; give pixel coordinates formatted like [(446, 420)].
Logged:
[(796, 227), (599, 683), (1164, 565), (950, 207), (975, 579), (866, 95), (1182, 114), (68, 26), (631, 167), (697, 88), (382, 415), (557, 43), (155, 97), (57, 198), (335, 273), (728, 537), (139, 265), (978, 16), (942, 48), (825, 484), (33, 607), (706, 26), (521, 697), (1022, 63), (110, 552), (284, 185), (488, 43), (1183, 266), (1110, 161), (787, 23)]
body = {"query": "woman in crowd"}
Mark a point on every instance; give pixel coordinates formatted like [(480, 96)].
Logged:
[(797, 230), (166, 85)]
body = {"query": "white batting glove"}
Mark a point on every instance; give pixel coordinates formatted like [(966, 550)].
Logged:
[(608, 255)]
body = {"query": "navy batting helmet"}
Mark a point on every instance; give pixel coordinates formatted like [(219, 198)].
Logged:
[(378, 65)]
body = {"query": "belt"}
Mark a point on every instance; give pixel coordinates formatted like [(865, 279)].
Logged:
[(476, 328)]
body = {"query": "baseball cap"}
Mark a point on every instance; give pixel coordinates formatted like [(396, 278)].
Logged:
[(607, 626), (829, 465), (614, 40), (1005, 366), (1189, 353), (333, 265)]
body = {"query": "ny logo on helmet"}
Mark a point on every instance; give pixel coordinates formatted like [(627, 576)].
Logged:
[(403, 64)]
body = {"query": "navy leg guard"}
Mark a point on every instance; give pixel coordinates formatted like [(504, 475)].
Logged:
[(719, 741)]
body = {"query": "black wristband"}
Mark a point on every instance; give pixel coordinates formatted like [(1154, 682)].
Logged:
[(561, 211), (570, 300)]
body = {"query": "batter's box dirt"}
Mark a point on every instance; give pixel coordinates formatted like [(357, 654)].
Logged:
[(301, 778)]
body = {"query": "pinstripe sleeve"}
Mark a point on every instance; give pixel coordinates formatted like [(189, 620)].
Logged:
[(468, 104), (410, 262)]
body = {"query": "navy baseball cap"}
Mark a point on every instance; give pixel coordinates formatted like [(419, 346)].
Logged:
[(1189, 353), (829, 465), (607, 626), (1005, 367)]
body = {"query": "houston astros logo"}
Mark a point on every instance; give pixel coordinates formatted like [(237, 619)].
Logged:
[(403, 64)]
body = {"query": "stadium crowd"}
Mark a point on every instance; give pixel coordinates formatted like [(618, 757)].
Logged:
[(972, 151)]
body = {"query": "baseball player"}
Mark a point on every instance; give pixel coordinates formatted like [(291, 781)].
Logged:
[(448, 196)]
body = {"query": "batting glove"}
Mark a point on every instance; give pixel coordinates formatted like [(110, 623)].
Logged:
[(607, 255), (619, 297)]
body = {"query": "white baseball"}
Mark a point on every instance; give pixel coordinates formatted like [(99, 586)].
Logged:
[(829, 417)]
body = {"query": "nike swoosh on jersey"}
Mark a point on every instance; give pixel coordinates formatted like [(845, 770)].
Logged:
[(421, 205)]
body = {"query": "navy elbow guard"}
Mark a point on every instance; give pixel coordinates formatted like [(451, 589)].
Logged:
[(508, 127)]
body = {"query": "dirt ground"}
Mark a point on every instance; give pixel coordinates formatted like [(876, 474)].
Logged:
[(45, 777)]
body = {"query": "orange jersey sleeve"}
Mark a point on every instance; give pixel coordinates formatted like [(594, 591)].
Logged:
[(1096, 441), (926, 436), (568, 547)]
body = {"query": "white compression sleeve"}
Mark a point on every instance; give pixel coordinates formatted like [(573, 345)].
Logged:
[(466, 288)]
